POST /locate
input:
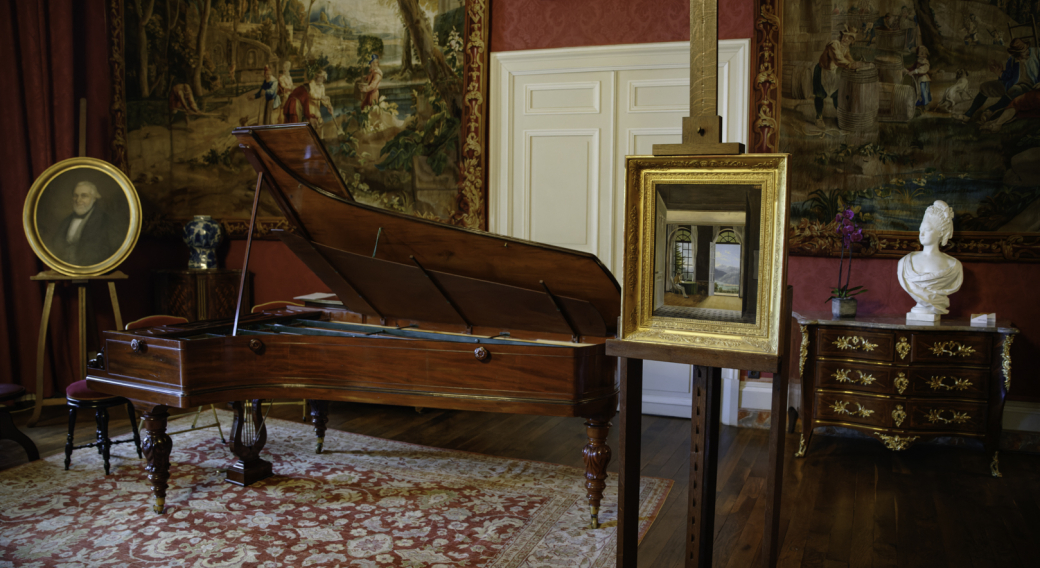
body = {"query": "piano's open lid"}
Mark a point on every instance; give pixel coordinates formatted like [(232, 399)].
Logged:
[(386, 264)]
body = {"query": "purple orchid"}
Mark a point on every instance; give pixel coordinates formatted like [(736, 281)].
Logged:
[(850, 233)]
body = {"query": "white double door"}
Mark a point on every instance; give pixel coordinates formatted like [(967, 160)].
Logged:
[(562, 122)]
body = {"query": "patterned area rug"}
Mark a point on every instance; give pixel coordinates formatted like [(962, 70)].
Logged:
[(364, 502)]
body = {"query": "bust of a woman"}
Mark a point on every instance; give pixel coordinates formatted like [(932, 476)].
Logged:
[(929, 276)]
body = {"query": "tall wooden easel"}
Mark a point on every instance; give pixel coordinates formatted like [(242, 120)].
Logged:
[(82, 283), (701, 135)]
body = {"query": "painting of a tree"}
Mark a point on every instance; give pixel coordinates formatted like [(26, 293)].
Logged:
[(387, 78)]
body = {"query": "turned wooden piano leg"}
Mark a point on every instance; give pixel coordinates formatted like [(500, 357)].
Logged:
[(249, 435), (597, 456), (156, 447), (319, 418)]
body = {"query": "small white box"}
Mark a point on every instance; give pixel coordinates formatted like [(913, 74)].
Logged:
[(984, 320)]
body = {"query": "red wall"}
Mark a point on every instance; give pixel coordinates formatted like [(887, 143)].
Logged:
[(541, 24)]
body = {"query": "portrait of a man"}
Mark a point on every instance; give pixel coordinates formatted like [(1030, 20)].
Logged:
[(86, 235), (81, 216)]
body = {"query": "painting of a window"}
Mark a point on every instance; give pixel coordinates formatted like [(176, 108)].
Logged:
[(727, 264), (684, 254)]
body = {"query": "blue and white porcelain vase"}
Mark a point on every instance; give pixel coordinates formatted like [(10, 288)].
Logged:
[(202, 235)]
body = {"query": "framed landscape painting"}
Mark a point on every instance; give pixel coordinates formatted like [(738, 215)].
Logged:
[(889, 105), (394, 88)]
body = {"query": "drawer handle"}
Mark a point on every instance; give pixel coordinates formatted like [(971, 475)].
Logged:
[(958, 384), (138, 345), (935, 415), (952, 348), (842, 375), (903, 348), (839, 407), (897, 443), (899, 415), (481, 354), (854, 343), (901, 382)]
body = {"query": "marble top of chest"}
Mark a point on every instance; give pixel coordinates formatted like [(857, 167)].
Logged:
[(900, 322)]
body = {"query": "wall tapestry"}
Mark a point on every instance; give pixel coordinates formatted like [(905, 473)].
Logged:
[(395, 88), (889, 105)]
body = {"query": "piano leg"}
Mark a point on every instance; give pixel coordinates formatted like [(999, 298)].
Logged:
[(156, 447), (319, 418), (249, 437), (597, 456)]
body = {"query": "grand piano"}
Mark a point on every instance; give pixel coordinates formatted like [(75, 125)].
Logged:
[(431, 315)]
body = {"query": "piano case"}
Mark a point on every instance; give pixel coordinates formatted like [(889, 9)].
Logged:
[(432, 315)]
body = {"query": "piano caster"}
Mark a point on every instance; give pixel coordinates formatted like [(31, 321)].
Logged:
[(321, 444), (595, 517), (160, 506)]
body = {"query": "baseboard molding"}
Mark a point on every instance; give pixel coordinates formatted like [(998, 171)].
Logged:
[(1022, 416), (756, 396), (667, 406)]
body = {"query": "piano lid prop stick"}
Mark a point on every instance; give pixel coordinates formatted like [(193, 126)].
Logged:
[(375, 248), (559, 308), (469, 326), (245, 262)]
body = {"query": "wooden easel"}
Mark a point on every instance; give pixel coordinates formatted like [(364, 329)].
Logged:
[(701, 135), (81, 283), (704, 440)]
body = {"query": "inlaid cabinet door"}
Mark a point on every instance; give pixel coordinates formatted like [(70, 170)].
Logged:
[(855, 376), (949, 382), (956, 348), (947, 415), (856, 409), (851, 343)]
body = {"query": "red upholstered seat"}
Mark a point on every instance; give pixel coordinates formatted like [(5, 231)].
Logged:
[(9, 391), (80, 391)]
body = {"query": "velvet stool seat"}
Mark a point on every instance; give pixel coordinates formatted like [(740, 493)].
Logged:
[(79, 395), (8, 431)]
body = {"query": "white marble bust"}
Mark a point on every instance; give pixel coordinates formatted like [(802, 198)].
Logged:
[(928, 275)]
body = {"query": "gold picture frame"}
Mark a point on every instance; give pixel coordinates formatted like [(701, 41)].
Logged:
[(104, 202), (722, 202)]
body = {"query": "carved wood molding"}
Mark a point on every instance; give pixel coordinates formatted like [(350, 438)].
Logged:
[(765, 96)]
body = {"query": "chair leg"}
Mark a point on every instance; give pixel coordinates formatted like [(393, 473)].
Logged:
[(106, 444), (133, 424), (11, 432), (217, 418), (68, 440)]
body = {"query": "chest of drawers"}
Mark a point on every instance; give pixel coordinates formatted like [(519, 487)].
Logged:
[(903, 383)]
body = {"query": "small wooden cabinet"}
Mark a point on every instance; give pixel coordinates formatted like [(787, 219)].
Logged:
[(200, 294), (903, 382)]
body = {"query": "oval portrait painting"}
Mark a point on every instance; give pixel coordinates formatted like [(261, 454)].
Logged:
[(82, 217)]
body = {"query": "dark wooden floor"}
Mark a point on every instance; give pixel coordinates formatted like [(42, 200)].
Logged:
[(850, 502)]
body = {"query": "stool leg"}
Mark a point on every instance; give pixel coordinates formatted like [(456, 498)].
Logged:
[(133, 424), (68, 440), (106, 444), (11, 432), (97, 433)]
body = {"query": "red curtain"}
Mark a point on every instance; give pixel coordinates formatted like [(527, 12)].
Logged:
[(52, 53)]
